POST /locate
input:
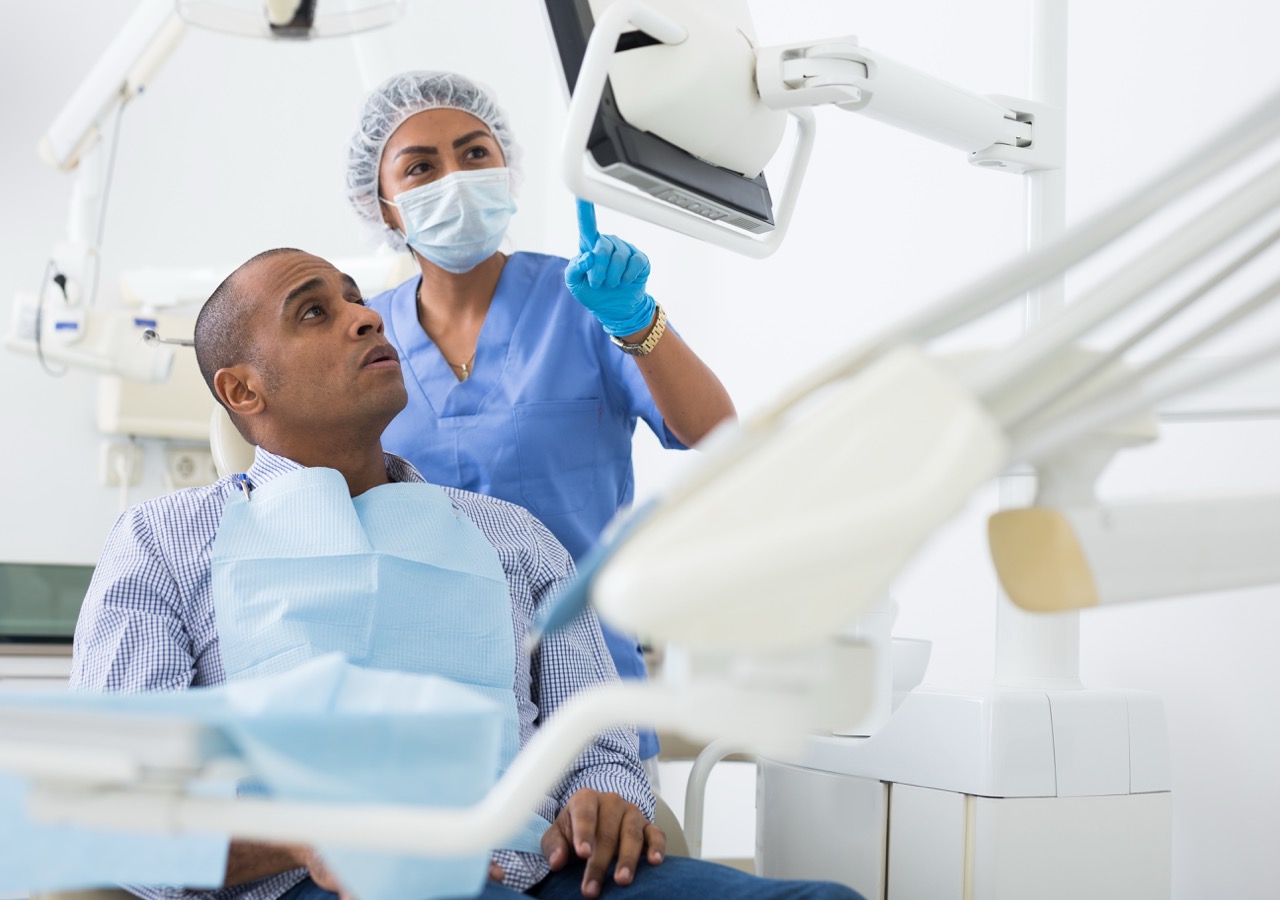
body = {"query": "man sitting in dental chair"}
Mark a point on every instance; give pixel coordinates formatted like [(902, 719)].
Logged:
[(328, 544)]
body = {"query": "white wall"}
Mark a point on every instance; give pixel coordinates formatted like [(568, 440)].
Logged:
[(238, 147)]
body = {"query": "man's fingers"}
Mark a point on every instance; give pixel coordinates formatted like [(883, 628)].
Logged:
[(556, 843), (587, 232), (608, 825), (320, 874), (655, 840), (631, 839), (582, 823)]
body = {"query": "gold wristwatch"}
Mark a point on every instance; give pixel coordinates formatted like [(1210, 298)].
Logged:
[(655, 334)]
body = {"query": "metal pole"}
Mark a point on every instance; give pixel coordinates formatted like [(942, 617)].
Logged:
[(1036, 649)]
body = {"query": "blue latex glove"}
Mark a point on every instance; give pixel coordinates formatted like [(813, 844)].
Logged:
[(608, 277)]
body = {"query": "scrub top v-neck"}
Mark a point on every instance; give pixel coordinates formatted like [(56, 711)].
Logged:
[(546, 418)]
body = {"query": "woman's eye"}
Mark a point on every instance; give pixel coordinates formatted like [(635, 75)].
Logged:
[(417, 168), (477, 152)]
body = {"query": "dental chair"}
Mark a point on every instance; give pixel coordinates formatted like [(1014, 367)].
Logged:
[(231, 452)]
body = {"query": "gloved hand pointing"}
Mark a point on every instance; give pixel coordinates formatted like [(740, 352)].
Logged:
[(608, 277)]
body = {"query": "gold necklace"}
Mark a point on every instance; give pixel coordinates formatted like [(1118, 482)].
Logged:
[(464, 368)]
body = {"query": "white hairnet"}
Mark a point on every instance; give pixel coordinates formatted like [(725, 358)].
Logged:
[(395, 100)]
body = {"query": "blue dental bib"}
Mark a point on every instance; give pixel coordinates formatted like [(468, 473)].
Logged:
[(394, 579)]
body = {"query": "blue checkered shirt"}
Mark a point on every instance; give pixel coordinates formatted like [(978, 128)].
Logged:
[(147, 624)]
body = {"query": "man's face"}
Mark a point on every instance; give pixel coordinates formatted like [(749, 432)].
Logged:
[(323, 366)]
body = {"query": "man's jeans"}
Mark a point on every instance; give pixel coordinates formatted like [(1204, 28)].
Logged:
[(677, 876)]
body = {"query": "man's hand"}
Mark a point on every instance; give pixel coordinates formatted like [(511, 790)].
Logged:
[(597, 827), (321, 875)]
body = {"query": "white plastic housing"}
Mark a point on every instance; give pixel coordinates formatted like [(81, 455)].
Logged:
[(1011, 743), (700, 94), (587, 182), (1055, 559), (789, 542), (108, 342)]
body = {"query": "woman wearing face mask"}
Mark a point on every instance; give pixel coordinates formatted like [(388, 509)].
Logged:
[(526, 373)]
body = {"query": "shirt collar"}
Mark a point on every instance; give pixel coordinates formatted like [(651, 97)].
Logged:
[(267, 466)]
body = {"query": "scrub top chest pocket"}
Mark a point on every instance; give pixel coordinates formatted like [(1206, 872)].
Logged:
[(559, 444)]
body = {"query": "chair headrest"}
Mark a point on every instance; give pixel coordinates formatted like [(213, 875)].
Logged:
[(231, 452)]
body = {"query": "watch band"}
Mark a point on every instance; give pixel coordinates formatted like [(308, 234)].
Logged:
[(645, 347)]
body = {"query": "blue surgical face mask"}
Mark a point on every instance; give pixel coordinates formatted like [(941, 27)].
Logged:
[(458, 221)]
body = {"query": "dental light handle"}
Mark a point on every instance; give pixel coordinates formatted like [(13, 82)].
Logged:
[(585, 101), (1050, 560)]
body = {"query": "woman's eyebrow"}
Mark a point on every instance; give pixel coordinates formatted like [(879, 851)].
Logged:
[(457, 142), (470, 136), (417, 148)]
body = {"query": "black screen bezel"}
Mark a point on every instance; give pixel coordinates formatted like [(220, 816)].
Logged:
[(613, 140)]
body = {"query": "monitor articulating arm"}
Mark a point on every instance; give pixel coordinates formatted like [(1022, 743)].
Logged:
[(760, 85), (997, 132)]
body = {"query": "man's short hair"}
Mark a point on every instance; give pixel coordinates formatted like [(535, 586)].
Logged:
[(222, 334)]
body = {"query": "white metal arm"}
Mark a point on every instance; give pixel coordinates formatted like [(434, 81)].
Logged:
[(121, 73), (837, 71), (761, 717)]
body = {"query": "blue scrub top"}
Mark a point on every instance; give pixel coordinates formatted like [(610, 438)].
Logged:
[(545, 419)]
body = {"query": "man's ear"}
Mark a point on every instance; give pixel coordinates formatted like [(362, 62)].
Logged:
[(238, 389)]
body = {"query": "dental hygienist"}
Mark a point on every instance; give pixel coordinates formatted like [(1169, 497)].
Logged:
[(526, 373)]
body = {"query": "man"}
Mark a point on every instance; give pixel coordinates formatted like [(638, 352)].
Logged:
[(289, 348)]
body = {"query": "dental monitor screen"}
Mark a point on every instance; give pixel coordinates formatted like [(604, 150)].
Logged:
[(645, 161), (39, 602)]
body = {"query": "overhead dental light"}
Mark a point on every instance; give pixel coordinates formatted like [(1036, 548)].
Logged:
[(290, 19)]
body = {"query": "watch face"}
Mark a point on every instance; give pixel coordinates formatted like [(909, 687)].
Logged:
[(633, 349)]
